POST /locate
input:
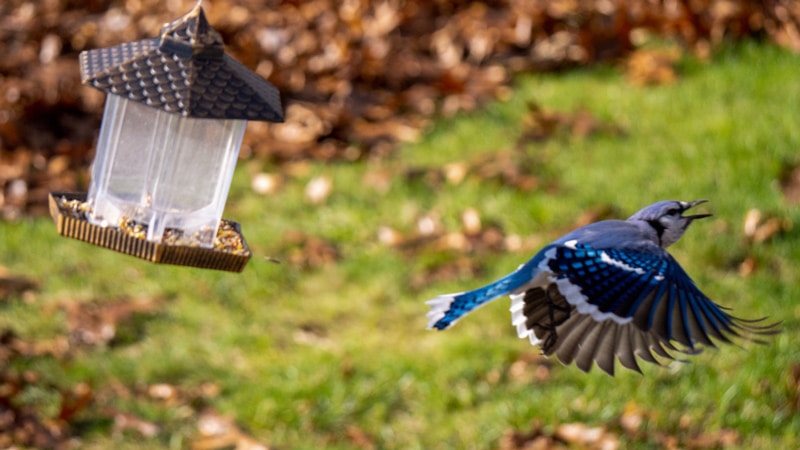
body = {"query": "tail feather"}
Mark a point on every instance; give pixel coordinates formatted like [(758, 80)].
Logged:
[(447, 309)]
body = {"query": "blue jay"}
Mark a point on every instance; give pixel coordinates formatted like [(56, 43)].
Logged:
[(607, 291)]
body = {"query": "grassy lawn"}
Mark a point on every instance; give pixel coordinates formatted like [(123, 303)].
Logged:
[(329, 349)]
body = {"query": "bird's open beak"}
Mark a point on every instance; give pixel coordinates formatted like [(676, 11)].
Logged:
[(696, 216)]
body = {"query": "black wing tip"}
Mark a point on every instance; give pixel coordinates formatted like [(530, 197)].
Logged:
[(735, 332), (757, 327)]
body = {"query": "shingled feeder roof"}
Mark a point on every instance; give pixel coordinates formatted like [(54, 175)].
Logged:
[(184, 71)]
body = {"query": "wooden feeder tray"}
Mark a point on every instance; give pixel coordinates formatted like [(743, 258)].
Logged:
[(77, 227)]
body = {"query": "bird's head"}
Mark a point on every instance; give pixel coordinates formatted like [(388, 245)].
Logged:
[(667, 219)]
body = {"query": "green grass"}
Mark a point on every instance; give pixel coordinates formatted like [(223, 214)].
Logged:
[(723, 132)]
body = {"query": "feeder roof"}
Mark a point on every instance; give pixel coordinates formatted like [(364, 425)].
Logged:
[(184, 71)]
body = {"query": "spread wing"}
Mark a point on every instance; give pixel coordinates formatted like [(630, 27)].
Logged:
[(607, 303)]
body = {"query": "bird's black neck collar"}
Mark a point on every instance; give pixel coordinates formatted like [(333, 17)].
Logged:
[(659, 227)]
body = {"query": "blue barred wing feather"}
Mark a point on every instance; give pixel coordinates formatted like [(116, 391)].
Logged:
[(649, 289)]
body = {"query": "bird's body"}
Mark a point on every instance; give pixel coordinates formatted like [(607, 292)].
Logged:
[(608, 291)]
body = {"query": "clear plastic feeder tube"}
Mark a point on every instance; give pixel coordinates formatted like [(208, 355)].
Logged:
[(163, 170)]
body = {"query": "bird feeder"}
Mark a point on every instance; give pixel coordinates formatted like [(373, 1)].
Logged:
[(174, 118)]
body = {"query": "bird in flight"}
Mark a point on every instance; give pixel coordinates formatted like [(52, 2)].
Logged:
[(610, 291)]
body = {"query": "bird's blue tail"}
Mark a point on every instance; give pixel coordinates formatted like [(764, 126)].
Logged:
[(447, 309)]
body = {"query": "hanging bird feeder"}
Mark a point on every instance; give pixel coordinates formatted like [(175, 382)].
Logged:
[(174, 118)]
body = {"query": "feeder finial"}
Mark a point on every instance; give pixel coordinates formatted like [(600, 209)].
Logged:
[(191, 35)]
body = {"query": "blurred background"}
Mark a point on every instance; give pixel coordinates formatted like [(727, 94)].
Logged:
[(429, 146), (356, 77)]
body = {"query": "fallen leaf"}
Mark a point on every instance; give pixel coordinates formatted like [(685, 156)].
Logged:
[(535, 439), (458, 267), (14, 285), (541, 124), (306, 251), (759, 228), (471, 221), (586, 436), (164, 392), (360, 438), (748, 266), (97, 323), (319, 189), (129, 422), (74, 401), (653, 66), (793, 384), (312, 334), (632, 419), (378, 179), (266, 183), (455, 172), (389, 236), (216, 431), (724, 438), (530, 367)]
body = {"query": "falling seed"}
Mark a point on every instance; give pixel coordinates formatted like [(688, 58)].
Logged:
[(318, 189)]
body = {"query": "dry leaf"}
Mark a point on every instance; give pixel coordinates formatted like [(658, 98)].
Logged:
[(632, 419), (459, 267), (748, 266), (389, 236), (74, 401), (266, 183), (360, 438), (378, 179), (530, 368), (793, 384), (97, 323), (221, 432), (723, 438), (129, 422), (23, 425), (790, 183), (759, 228), (535, 439), (13, 285), (471, 221), (586, 436), (541, 124), (653, 66), (307, 251), (319, 189)]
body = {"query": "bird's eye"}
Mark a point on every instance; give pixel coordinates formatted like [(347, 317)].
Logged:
[(673, 212)]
